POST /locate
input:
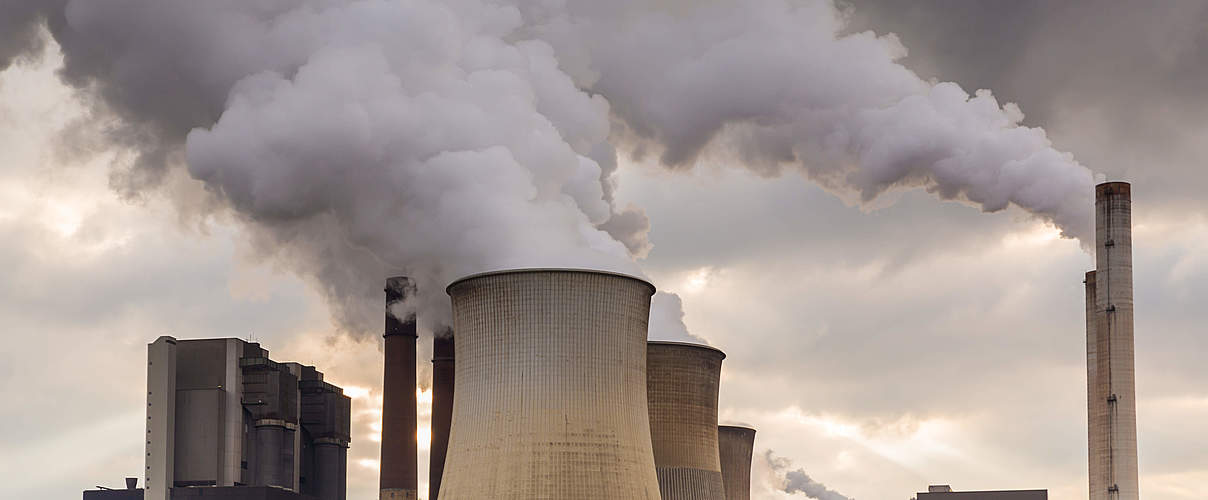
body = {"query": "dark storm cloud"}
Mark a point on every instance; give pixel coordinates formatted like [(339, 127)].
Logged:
[(1120, 84)]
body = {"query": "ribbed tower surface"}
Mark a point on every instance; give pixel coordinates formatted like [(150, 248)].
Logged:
[(1111, 386), (551, 387), (682, 384), (736, 445)]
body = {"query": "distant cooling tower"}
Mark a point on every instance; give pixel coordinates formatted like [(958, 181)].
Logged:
[(736, 445), (682, 383), (443, 363), (551, 387)]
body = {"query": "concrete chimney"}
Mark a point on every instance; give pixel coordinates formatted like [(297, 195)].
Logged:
[(443, 366), (398, 480), (736, 445), (682, 382), (1111, 388)]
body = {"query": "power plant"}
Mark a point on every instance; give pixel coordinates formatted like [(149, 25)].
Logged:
[(545, 386), (681, 386), (1110, 381)]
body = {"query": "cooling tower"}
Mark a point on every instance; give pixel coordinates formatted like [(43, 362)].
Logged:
[(399, 446), (735, 445), (443, 363), (551, 387), (681, 383), (1111, 390)]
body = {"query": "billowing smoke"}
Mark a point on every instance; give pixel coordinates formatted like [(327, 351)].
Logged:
[(797, 481), (362, 138)]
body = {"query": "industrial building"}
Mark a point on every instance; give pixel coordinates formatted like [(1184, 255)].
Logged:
[(736, 445), (1110, 371), (944, 492), (225, 421), (551, 387), (682, 383)]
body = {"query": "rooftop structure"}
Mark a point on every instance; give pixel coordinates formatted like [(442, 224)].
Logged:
[(944, 492)]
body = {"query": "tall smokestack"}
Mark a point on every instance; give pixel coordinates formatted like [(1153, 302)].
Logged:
[(1111, 387), (399, 447), (682, 382), (736, 445), (443, 363)]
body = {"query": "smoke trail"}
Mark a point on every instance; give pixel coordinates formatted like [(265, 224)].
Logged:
[(362, 138), (797, 481), (775, 85)]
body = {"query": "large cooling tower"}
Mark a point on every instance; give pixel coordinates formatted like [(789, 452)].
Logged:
[(399, 447), (736, 445), (1111, 390), (681, 383), (551, 387)]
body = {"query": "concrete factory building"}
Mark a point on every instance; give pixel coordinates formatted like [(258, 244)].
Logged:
[(225, 421), (551, 387), (682, 384), (1111, 392), (944, 492), (736, 445)]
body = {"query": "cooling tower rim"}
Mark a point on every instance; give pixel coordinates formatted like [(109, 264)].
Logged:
[(686, 344), (1113, 188), (449, 289), (737, 427)]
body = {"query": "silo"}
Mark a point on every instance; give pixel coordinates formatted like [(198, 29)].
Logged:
[(735, 445), (681, 383), (551, 387)]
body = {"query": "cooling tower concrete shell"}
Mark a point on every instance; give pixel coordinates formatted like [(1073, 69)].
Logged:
[(736, 446), (551, 387), (681, 382)]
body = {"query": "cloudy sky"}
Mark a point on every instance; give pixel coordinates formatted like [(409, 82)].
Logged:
[(170, 171)]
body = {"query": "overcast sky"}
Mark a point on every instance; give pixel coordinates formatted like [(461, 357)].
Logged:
[(881, 347)]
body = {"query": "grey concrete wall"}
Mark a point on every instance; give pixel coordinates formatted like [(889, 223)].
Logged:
[(161, 418), (551, 388), (987, 495)]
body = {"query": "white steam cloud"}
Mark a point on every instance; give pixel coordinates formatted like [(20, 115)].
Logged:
[(797, 481), (363, 138)]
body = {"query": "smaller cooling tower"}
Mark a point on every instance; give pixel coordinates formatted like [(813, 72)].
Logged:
[(551, 388), (681, 387), (736, 445)]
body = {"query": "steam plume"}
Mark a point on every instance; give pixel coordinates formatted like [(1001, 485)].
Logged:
[(358, 139), (797, 481)]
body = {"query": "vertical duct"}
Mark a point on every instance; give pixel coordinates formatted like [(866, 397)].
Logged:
[(551, 387), (736, 446), (682, 385), (443, 363), (399, 448), (161, 419), (1111, 396)]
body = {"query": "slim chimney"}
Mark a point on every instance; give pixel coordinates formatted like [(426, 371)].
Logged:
[(1111, 388), (442, 408), (398, 465)]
